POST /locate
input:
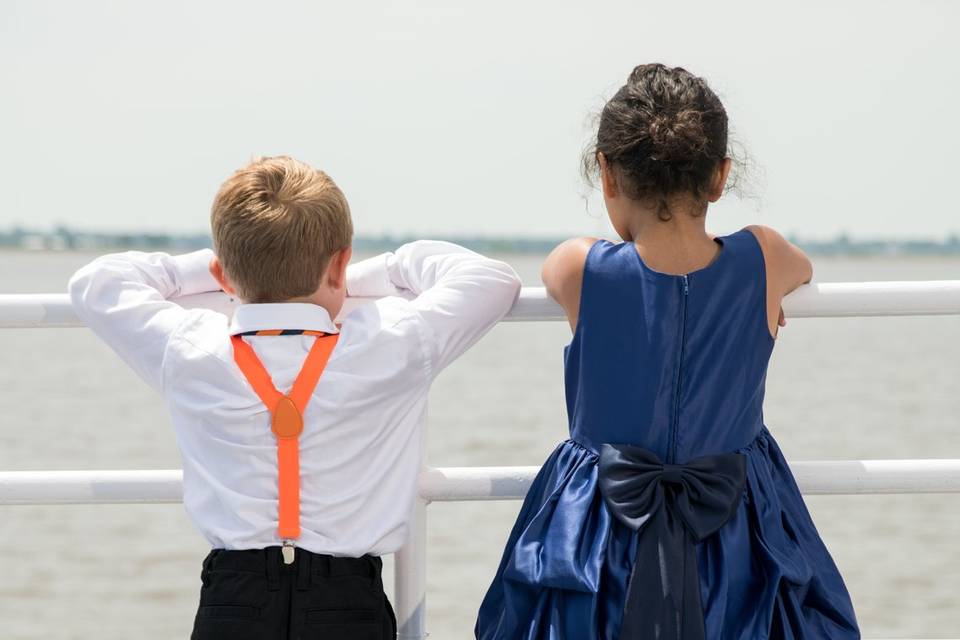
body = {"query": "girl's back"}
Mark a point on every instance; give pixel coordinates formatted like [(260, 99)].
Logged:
[(672, 363), (670, 513)]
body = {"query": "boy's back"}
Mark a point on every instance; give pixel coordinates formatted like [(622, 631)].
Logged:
[(359, 451)]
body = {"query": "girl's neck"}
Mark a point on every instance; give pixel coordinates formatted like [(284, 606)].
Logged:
[(678, 245)]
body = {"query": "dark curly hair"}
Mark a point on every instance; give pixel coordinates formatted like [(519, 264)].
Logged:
[(663, 133)]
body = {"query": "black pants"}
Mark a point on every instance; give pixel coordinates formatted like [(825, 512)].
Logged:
[(253, 595)]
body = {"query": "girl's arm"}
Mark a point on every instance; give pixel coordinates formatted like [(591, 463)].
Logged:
[(562, 275), (787, 268)]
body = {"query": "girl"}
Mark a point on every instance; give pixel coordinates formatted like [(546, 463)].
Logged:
[(670, 512)]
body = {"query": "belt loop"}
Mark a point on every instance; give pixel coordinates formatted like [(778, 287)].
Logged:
[(376, 571), (303, 569), (272, 558), (208, 559), (205, 571)]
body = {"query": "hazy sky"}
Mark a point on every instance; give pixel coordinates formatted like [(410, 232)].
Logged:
[(442, 118)]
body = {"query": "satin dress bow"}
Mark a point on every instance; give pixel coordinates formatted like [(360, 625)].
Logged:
[(671, 507)]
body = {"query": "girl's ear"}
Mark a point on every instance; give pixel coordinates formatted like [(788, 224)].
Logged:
[(216, 270), (720, 180), (608, 181)]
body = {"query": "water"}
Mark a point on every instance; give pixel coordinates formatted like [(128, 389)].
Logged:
[(837, 388)]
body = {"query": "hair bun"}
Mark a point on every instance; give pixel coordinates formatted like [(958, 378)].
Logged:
[(663, 133), (677, 137)]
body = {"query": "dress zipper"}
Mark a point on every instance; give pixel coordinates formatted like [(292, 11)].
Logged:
[(672, 453)]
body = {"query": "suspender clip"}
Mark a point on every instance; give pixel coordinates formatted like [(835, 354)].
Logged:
[(288, 551)]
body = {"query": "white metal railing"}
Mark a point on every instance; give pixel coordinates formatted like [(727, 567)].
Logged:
[(461, 484), (819, 299), (837, 299)]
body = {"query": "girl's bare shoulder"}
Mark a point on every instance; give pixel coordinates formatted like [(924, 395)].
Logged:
[(566, 261), (562, 273), (786, 263)]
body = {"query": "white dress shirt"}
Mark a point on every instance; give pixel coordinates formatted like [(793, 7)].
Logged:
[(360, 450)]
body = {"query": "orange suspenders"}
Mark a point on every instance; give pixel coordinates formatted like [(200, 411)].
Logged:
[(286, 412)]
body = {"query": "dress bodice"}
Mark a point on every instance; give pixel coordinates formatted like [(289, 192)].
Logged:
[(672, 363)]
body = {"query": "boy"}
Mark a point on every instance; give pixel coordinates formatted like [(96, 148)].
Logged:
[(298, 494)]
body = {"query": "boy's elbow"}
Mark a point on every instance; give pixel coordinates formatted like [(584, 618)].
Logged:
[(78, 285), (500, 286), (88, 284), (510, 275), (510, 278), (513, 293)]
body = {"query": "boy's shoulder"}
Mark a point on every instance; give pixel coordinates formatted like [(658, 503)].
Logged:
[(205, 331), (387, 327), (389, 318)]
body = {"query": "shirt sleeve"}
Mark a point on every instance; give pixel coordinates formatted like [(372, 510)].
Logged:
[(124, 298), (370, 278), (458, 294)]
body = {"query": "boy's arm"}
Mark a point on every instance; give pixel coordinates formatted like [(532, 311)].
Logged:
[(123, 298), (460, 294)]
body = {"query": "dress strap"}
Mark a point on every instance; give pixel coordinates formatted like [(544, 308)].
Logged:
[(286, 420)]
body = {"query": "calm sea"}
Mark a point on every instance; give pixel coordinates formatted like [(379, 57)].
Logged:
[(837, 388)]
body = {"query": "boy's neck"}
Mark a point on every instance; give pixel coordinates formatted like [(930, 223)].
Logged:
[(313, 299), (329, 306)]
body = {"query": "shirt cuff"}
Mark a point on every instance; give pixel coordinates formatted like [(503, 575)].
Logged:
[(193, 272), (371, 278)]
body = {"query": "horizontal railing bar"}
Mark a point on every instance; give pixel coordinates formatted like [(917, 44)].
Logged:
[(893, 298), (91, 487), (820, 299), (453, 484), (821, 477)]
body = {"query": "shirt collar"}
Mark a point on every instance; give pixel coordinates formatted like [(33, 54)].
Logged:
[(281, 315)]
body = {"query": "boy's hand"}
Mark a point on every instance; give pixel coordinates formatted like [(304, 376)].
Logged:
[(782, 321)]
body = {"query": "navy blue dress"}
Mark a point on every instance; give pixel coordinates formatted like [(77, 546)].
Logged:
[(676, 365)]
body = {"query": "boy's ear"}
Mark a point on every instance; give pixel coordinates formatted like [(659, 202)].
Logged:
[(216, 270), (337, 269)]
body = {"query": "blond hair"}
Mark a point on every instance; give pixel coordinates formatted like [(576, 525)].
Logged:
[(276, 223)]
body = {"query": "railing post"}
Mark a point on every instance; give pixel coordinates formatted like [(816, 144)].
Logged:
[(410, 578)]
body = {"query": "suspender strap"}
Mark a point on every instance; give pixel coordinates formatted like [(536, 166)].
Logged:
[(286, 419)]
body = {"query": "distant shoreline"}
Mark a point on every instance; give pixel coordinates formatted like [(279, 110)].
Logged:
[(63, 239)]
